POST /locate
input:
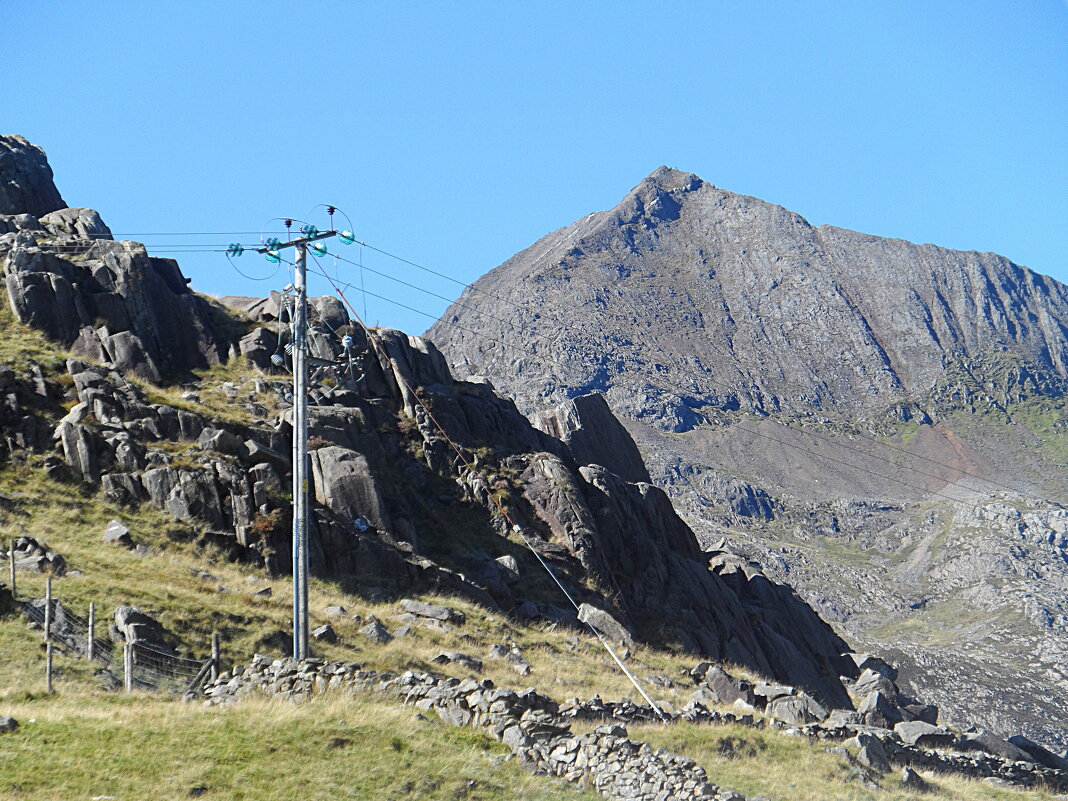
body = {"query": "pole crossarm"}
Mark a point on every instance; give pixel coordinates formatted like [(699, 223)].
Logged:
[(301, 240)]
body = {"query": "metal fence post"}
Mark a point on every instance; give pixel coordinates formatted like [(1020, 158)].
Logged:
[(48, 609), (11, 566), (48, 667), (90, 648), (127, 664), (216, 655)]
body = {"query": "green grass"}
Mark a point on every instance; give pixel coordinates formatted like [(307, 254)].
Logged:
[(141, 747)]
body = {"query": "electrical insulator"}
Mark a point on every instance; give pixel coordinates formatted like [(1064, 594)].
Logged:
[(277, 360), (346, 237), (319, 249), (347, 342)]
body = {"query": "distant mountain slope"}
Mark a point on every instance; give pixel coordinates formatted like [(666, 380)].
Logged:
[(686, 297)]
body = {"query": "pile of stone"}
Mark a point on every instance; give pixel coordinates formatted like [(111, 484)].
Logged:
[(887, 727), (35, 557), (528, 722)]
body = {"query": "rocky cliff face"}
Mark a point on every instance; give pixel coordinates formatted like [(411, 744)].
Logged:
[(841, 408), (397, 508)]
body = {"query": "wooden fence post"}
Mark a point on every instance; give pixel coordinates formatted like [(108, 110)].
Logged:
[(216, 655), (11, 566), (48, 609), (127, 664), (48, 667), (91, 646)]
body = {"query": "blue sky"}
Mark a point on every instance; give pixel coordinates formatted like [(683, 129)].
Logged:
[(455, 134)]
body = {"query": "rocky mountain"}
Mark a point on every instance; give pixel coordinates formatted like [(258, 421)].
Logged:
[(415, 489), (882, 424)]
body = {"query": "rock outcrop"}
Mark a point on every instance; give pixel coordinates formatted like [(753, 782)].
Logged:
[(26, 185), (104, 300)]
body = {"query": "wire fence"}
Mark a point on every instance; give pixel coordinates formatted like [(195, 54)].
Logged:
[(137, 664)]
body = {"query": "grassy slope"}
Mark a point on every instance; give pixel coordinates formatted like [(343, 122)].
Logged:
[(85, 742)]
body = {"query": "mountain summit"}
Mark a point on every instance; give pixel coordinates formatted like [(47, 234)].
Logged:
[(686, 297)]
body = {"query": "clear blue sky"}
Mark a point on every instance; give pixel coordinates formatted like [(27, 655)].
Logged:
[(457, 133)]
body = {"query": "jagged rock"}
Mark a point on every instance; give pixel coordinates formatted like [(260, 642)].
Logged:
[(871, 681), (911, 780), (723, 687), (345, 483), (916, 732), (457, 658), (255, 453), (76, 223), (797, 710), (879, 710), (324, 633), (871, 753), (26, 186), (376, 632), (593, 434), (1039, 754), (335, 611), (220, 440), (135, 626), (988, 743), (36, 557), (766, 693), (118, 534), (868, 662), (432, 611), (8, 723), (605, 624)]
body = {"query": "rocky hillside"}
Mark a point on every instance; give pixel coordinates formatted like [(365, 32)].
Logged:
[(398, 509), (882, 424)]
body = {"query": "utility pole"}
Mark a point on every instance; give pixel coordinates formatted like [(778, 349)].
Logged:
[(301, 507)]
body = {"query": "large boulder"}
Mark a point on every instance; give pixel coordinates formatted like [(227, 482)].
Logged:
[(137, 627), (26, 185)]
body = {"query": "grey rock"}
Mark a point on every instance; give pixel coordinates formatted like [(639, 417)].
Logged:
[(27, 186), (925, 735), (376, 632), (432, 611), (255, 453), (118, 534), (992, 744), (879, 710), (76, 223), (605, 624), (723, 687), (220, 440), (335, 611), (457, 658), (1039, 754), (872, 754), (136, 626), (594, 435), (324, 633), (797, 710), (913, 781), (8, 723)]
